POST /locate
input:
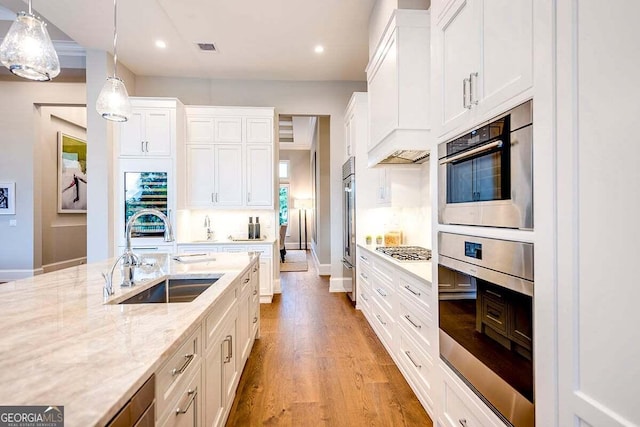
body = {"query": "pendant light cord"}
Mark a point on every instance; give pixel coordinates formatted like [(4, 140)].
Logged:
[(115, 37), (30, 13)]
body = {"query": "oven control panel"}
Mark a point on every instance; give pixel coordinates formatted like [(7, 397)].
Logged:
[(473, 250)]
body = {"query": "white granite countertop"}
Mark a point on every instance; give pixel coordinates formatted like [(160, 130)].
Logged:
[(418, 269), (62, 345)]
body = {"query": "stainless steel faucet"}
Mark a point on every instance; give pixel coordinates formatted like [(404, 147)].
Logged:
[(207, 225), (130, 260)]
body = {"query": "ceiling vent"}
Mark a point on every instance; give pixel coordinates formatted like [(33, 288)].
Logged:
[(207, 47)]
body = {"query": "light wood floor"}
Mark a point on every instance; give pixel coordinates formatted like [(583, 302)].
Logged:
[(318, 363)]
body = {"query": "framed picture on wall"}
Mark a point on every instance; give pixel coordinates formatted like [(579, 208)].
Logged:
[(7, 198), (72, 174)]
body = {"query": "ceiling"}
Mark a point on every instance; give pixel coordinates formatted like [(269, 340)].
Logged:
[(256, 39)]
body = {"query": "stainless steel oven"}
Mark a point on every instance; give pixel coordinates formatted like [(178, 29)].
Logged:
[(485, 300), (486, 176)]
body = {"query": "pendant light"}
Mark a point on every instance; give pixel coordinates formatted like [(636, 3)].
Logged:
[(113, 102), (27, 50)]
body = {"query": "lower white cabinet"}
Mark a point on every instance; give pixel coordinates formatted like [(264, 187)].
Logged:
[(197, 384), (397, 306)]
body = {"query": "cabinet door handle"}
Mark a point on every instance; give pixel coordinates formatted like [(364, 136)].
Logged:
[(408, 353), (187, 359), (216, 197), (380, 320), (229, 340), (473, 79), (248, 197), (191, 394), (463, 422), (406, 316), (146, 146), (212, 198), (255, 319), (407, 287), (255, 292), (495, 294), (465, 94), (142, 146), (381, 292)]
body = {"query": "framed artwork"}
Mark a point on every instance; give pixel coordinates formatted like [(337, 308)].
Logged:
[(72, 174), (7, 198)]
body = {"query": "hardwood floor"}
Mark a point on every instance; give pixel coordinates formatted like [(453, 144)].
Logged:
[(318, 362)]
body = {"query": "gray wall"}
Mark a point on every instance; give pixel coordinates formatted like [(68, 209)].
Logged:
[(288, 97), (19, 138), (381, 13), (64, 236)]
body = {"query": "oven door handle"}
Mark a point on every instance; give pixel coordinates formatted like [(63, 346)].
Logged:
[(466, 154)]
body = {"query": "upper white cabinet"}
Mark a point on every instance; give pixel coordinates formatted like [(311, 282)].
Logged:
[(150, 131), (229, 158), (398, 80), (483, 59)]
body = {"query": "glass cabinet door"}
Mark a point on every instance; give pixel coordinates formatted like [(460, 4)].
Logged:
[(146, 190)]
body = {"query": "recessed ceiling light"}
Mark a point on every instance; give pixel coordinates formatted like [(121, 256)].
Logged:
[(161, 44), (319, 49)]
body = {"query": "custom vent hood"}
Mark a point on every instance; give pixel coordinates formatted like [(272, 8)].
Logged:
[(406, 157), (398, 82)]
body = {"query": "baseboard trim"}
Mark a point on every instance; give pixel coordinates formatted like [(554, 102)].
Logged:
[(64, 264), (266, 299), (323, 269), (10, 275), (340, 284)]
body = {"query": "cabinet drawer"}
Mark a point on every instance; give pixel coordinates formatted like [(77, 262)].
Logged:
[(456, 413), (417, 322), (417, 364), (364, 301), (175, 372), (234, 248), (383, 270), (364, 258), (264, 250), (415, 290), (245, 281), (383, 293), (221, 308), (382, 323), (186, 407)]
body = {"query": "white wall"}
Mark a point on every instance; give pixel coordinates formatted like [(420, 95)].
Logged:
[(19, 137), (296, 98), (299, 187)]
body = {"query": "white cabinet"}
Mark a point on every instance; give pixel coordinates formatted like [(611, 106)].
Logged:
[(148, 132), (483, 57), (187, 410), (398, 80), (229, 158), (259, 175)]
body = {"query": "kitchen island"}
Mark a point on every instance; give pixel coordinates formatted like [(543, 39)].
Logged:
[(64, 344)]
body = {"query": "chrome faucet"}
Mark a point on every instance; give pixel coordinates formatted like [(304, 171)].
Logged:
[(130, 260), (207, 225)]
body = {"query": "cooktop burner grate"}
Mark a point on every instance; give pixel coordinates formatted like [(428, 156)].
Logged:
[(406, 253)]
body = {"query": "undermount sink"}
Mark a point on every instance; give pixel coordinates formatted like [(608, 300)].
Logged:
[(172, 290)]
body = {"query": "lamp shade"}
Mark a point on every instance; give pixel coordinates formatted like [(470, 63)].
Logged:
[(113, 102), (27, 50)]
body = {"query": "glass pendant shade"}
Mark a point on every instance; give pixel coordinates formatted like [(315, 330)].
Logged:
[(113, 102), (27, 50)]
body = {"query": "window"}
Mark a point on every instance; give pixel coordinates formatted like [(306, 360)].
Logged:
[(283, 170), (284, 205)]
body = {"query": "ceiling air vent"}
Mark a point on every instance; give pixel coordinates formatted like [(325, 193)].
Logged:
[(207, 47)]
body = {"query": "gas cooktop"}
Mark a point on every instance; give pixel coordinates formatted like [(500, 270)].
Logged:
[(406, 253)]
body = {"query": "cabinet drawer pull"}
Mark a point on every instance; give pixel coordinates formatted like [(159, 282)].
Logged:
[(463, 422), (187, 360), (495, 319), (192, 396), (246, 280), (408, 353), (255, 292), (407, 287), (495, 294), (406, 316), (364, 258), (255, 269), (255, 319), (364, 276), (381, 292), (380, 320), (364, 297)]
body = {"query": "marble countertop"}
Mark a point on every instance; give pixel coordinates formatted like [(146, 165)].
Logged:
[(419, 269), (62, 345)]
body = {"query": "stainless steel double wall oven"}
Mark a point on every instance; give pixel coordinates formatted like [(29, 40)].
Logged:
[(485, 285)]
